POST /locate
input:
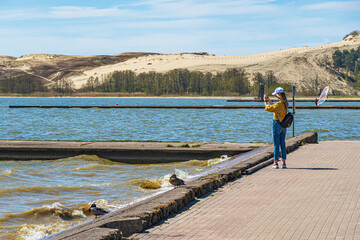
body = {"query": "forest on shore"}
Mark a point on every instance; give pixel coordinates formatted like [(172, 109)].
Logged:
[(177, 82)]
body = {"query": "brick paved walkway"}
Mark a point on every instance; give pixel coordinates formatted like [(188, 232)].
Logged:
[(317, 197)]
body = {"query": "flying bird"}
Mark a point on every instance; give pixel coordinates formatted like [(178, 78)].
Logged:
[(97, 211), (174, 180)]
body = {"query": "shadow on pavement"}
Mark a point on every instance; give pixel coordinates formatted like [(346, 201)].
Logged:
[(327, 169)]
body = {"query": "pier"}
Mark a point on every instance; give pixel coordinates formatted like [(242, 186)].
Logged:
[(177, 106), (317, 197)]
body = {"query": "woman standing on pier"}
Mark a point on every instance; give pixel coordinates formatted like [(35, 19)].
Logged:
[(279, 109)]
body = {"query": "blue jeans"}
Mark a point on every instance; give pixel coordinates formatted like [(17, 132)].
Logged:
[(279, 134)]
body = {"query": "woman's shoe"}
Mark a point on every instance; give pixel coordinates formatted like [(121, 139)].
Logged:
[(283, 166), (276, 166)]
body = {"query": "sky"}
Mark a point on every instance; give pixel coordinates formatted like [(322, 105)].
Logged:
[(223, 27)]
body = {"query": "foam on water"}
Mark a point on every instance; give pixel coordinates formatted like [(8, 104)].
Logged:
[(38, 231)]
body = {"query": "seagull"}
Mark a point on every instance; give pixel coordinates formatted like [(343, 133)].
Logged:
[(97, 211), (176, 181)]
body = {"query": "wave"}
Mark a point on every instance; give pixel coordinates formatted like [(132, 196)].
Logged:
[(46, 220), (210, 162), (147, 183), (39, 231), (53, 210), (158, 183), (91, 158), (50, 214)]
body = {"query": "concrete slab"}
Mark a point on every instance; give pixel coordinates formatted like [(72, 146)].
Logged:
[(127, 152)]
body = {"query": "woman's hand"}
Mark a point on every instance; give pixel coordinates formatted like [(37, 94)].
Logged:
[(266, 97)]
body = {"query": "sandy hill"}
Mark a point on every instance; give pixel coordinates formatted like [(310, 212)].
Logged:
[(50, 67), (299, 66)]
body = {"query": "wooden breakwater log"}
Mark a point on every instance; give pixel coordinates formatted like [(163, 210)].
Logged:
[(122, 223), (177, 106), (296, 100)]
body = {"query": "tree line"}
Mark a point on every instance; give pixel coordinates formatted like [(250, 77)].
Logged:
[(23, 84), (177, 81), (28, 84), (347, 62), (233, 81)]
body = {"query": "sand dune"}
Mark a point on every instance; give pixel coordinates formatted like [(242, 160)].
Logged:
[(297, 65)]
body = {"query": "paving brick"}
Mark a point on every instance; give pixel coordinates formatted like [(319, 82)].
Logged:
[(318, 197)]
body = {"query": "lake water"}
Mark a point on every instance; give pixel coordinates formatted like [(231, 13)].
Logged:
[(185, 125), (38, 198)]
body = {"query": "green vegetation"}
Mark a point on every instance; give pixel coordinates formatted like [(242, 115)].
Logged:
[(233, 81), (196, 146), (63, 86), (169, 145), (23, 84), (254, 147), (185, 145), (269, 81), (84, 144), (353, 33), (347, 64)]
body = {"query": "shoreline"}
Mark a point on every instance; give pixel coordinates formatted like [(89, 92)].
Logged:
[(181, 97), (150, 97)]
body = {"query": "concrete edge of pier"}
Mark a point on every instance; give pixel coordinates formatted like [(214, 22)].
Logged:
[(125, 152), (122, 223)]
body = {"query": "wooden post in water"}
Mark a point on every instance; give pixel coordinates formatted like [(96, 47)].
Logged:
[(261, 92), (293, 100)]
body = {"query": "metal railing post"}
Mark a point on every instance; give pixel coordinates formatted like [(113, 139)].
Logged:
[(293, 100)]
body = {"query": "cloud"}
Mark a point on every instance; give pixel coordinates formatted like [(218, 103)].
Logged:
[(20, 14), (157, 42), (159, 9), (220, 27), (334, 5), (201, 8), (63, 12), (167, 24), (85, 12), (301, 22)]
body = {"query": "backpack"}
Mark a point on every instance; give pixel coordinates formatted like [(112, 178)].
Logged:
[(287, 121)]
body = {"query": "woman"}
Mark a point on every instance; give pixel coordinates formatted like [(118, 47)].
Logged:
[(279, 109)]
